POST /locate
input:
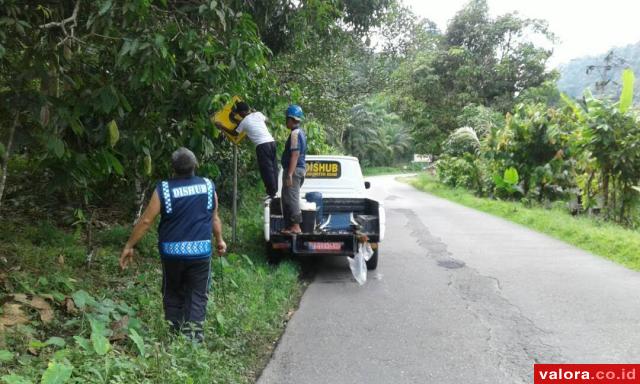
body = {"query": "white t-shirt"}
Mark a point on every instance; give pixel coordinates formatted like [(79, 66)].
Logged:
[(256, 128)]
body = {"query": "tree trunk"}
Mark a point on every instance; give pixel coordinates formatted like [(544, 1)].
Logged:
[(5, 157), (90, 248), (140, 192), (605, 191), (614, 198), (588, 192), (623, 206)]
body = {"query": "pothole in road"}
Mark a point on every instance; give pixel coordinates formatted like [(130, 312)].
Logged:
[(451, 264)]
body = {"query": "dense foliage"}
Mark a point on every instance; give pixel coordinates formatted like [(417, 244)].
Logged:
[(95, 95), (376, 135), (478, 60), (100, 93), (583, 153)]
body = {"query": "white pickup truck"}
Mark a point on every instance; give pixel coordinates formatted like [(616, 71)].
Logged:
[(344, 216)]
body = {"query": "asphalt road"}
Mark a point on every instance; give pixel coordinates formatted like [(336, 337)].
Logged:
[(459, 297)]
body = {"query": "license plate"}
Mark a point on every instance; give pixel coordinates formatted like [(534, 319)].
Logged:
[(286, 245), (331, 246)]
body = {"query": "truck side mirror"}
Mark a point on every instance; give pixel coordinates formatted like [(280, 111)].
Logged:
[(367, 185)]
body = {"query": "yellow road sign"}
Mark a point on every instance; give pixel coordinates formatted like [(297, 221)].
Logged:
[(222, 120)]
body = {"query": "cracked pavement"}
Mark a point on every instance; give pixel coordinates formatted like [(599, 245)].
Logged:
[(459, 296)]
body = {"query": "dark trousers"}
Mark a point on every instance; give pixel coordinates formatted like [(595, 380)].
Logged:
[(268, 165), (184, 295)]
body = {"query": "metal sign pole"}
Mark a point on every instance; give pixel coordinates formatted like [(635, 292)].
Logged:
[(234, 213), (224, 121)]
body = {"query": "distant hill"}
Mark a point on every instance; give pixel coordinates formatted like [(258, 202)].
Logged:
[(574, 78)]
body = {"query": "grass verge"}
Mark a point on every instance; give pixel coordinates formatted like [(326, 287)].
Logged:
[(596, 236), (375, 171), (62, 320)]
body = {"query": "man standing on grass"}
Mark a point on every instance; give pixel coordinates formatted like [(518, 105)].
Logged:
[(188, 208), (254, 124), (293, 170)]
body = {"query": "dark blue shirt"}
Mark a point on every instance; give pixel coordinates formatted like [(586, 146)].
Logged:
[(297, 141), (186, 218)]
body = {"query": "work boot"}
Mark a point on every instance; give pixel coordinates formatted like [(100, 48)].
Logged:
[(194, 331)]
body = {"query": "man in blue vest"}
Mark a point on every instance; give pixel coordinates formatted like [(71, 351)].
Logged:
[(293, 170), (188, 208)]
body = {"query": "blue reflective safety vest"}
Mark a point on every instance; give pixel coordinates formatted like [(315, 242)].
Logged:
[(186, 218), (297, 141)]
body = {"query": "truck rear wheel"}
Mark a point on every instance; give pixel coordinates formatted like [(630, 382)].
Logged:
[(373, 261)]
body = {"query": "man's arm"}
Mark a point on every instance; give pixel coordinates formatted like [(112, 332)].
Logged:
[(295, 154), (292, 167), (233, 132), (141, 227), (217, 230)]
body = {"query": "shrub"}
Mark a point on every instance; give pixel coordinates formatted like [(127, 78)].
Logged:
[(462, 141), (482, 119), (460, 172)]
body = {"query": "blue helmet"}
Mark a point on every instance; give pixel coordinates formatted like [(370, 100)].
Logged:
[(295, 111)]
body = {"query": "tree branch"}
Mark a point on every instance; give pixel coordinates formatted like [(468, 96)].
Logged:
[(61, 24), (5, 157)]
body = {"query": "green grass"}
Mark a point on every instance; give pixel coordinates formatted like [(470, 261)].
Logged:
[(247, 310), (375, 171), (596, 236)]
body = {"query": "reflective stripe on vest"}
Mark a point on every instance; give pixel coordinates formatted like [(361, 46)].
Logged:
[(187, 248), (167, 196), (209, 194)]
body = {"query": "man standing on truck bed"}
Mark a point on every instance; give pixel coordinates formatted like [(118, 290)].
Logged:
[(188, 208), (254, 124), (293, 170)]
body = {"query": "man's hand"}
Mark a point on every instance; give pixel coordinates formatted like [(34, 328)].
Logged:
[(289, 181), (221, 247), (126, 257)]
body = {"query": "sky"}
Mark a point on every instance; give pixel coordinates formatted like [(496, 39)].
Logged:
[(582, 27)]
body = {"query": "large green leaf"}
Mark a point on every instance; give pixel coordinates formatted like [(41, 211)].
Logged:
[(626, 97), (511, 176), (57, 373), (81, 298), (57, 341), (220, 320), (114, 133), (37, 344), (5, 356), (76, 126), (106, 5), (82, 342), (100, 343), (148, 168), (138, 341), (573, 105), (15, 379), (56, 146), (114, 164)]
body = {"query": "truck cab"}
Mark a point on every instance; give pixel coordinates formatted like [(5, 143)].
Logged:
[(344, 216)]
